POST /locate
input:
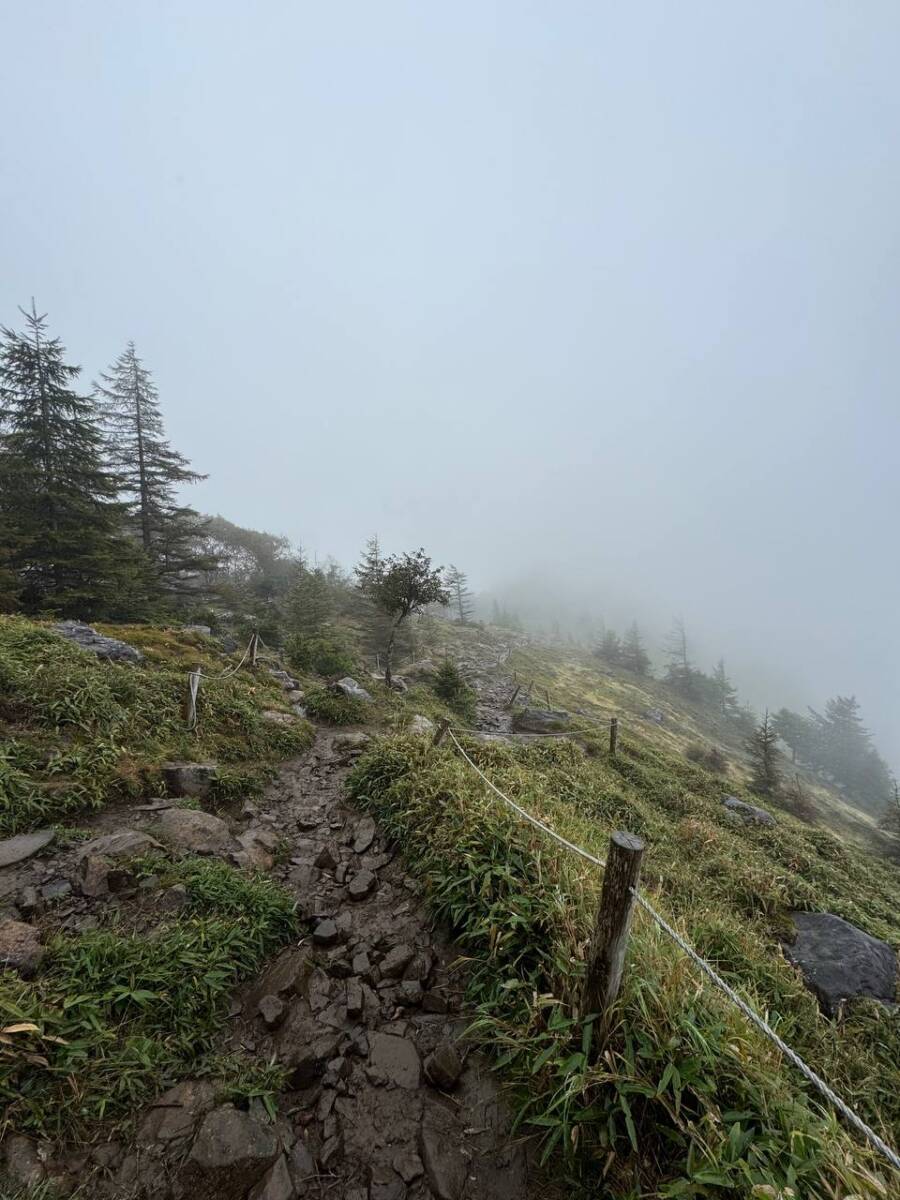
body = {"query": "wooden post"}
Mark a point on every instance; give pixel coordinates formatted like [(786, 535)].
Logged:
[(606, 956), (511, 701), (613, 735), (254, 648), (442, 727), (549, 703)]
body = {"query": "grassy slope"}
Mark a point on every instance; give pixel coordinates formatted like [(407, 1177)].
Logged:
[(691, 1100)]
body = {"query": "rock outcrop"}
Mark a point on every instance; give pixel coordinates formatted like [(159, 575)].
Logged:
[(748, 813), (541, 720), (839, 961), (104, 647)]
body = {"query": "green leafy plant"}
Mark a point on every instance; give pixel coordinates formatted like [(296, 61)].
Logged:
[(450, 686), (325, 653)]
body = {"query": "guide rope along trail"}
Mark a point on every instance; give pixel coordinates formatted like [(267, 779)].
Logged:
[(750, 1013)]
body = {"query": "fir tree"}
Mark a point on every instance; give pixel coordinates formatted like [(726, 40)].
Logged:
[(460, 596), (310, 603), (845, 752), (726, 692), (63, 524), (679, 673), (610, 649), (798, 733), (762, 747), (150, 471), (633, 655)]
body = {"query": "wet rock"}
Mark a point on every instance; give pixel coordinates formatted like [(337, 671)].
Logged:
[(434, 1002), (445, 1165), (302, 1167), (355, 1002), (231, 1152), (396, 961), (748, 813), (177, 1113), (444, 1066), (326, 933), (28, 901), (195, 832), (410, 993), (395, 1060), (257, 849), (541, 720), (173, 899), (104, 647), (56, 889), (839, 961), (361, 885), (23, 1165), (408, 1165), (20, 947), (122, 843), (385, 1185), (18, 849), (349, 687), (272, 1009), (276, 1184), (328, 857), (93, 873), (189, 779), (308, 1062), (364, 836), (421, 726)]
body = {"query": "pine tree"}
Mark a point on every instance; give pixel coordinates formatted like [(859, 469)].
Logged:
[(798, 733), (610, 649), (150, 471), (63, 534), (845, 751), (762, 747), (679, 673), (633, 655), (371, 565), (726, 692), (890, 822), (310, 603), (460, 596)]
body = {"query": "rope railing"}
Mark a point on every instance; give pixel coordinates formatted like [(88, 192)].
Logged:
[(194, 678), (708, 970)]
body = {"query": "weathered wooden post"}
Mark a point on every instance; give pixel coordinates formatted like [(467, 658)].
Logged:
[(606, 955), (442, 727), (511, 701), (547, 694), (613, 735), (254, 648)]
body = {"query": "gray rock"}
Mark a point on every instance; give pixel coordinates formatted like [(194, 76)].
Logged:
[(122, 843), (350, 743), (173, 898), (328, 857), (354, 998), (308, 1062), (419, 671), (541, 720), (365, 835), (654, 715), (28, 901), (93, 876), (258, 849), (274, 717), (56, 889), (361, 885), (23, 1165), (396, 961), (326, 933), (421, 725), (395, 1060), (748, 813), (839, 961), (272, 1009), (20, 947), (384, 1184), (231, 1152), (104, 647), (302, 1167), (349, 687), (196, 832), (189, 779), (408, 1165), (434, 1002), (445, 1166), (17, 849), (443, 1066), (177, 1113), (276, 1184), (203, 630)]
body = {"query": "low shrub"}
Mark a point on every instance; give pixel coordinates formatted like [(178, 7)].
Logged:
[(710, 758), (335, 708), (450, 686), (324, 653)]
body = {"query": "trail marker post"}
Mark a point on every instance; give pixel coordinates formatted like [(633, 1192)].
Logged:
[(609, 941), (511, 701), (442, 727), (613, 735)]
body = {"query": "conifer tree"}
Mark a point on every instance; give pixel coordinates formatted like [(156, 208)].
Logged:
[(633, 655), (310, 603), (845, 751), (63, 524), (726, 692), (150, 471), (763, 749), (460, 596), (610, 649), (680, 673)]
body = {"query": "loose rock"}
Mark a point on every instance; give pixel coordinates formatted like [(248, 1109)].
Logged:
[(395, 1060), (748, 813), (20, 947), (122, 843), (362, 885), (189, 779), (541, 720), (349, 687), (230, 1153), (272, 1009), (276, 1184), (444, 1165), (443, 1067), (18, 849), (196, 832), (365, 835), (177, 1113)]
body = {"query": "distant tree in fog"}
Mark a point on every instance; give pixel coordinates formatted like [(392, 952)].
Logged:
[(762, 747)]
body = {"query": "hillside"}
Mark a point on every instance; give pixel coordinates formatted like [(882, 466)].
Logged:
[(259, 948)]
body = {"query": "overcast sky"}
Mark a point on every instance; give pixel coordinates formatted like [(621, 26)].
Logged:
[(603, 291)]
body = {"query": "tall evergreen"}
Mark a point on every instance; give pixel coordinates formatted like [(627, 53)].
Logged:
[(460, 596), (845, 751), (310, 603), (680, 672), (633, 655), (150, 471), (62, 524), (765, 758), (726, 692)]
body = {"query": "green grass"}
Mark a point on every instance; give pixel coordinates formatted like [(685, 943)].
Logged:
[(334, 708), (687, 1099), (78, 732), (113, 1017)]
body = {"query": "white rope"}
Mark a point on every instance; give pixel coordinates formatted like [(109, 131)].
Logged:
[(194, 678), (754, 1017)]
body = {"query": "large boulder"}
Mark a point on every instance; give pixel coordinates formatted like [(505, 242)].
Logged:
[(17, 849), (541, 720), (177, 1113), (122, 843), (231, 1152), (20, 947), (104, 647), (748, 813), (421, 725), (189, 779), (196, 832), (349, 687), (839, 961)]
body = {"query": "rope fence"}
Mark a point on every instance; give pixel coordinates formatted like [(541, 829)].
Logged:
[(708, 970)]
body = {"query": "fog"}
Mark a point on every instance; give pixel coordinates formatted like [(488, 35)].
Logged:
[(598, 300)]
